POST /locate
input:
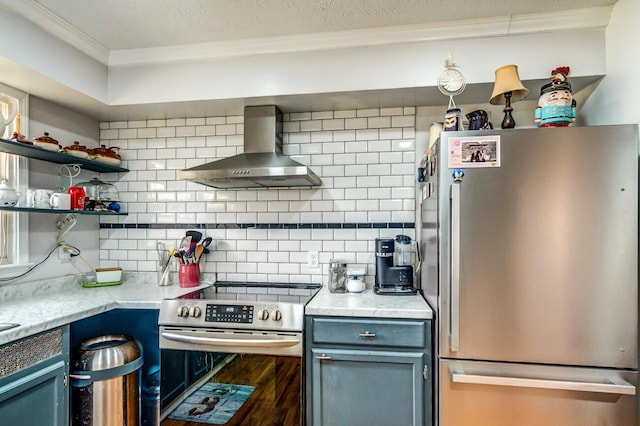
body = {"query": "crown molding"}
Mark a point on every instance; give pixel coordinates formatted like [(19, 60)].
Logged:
[(475, 28), (58, 27), (597, 17)]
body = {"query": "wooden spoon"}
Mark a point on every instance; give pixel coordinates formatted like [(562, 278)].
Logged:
[(199, 250)]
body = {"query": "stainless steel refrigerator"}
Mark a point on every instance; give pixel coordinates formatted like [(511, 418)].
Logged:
[(531, 266)]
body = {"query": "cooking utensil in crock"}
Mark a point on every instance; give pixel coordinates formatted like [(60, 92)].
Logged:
[(196, 236), (198, 253), (206, 243)]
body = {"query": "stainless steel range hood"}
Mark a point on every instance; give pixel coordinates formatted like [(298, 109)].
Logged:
[(262, 164)]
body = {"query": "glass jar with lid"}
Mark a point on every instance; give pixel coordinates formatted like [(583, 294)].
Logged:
[(337, 276)]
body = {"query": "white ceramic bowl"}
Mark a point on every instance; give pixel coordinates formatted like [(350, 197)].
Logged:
[(108, 275)]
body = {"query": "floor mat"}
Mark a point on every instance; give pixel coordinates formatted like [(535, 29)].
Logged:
[(213, 403)]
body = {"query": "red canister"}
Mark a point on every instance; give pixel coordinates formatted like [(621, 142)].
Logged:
[(77, 197)]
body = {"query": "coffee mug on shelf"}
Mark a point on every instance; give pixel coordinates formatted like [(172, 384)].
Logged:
[(60, 201)]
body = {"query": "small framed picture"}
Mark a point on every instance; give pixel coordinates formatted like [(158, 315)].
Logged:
[(474, 152)]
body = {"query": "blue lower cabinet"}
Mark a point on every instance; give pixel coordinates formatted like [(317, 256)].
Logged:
[(35, 391), (357, 376)]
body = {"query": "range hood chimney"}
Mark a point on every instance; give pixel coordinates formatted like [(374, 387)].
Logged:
[(262, 164)]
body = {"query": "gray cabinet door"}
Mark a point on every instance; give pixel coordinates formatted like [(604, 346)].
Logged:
[(353, 387), (34, 396)]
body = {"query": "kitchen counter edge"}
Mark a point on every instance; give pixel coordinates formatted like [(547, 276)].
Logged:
[(368, 304), (47, 311)]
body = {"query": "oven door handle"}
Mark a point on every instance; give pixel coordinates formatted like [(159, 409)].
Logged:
[(216, 341)]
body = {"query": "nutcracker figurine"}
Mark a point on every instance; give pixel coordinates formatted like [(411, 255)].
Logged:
[(556, 106)]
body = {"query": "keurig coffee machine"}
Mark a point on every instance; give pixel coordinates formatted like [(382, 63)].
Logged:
[(392, 278)]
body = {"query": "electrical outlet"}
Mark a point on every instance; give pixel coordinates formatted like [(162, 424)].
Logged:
[(64, 254), (313, 261)]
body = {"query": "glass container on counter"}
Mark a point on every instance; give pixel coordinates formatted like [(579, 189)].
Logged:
[(337, 277)]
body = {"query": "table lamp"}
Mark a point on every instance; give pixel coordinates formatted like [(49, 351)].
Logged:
[(508, 88)]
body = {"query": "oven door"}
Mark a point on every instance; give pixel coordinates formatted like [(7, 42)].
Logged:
[(231, 377)]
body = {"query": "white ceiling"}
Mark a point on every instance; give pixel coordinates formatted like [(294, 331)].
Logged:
[(142, 24)]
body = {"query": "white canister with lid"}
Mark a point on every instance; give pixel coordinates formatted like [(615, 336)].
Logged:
[(355, 284)]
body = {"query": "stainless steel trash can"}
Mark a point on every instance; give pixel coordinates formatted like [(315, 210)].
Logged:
[(105, 380)]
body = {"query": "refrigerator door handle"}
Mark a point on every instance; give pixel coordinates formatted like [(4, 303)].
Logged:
[(454, 332), (617, 386)]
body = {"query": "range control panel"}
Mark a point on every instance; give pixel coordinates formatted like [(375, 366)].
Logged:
[(232, 314), (229, 313)]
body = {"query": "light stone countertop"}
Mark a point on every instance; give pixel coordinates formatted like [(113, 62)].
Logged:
[(42, 306), (368, 304)]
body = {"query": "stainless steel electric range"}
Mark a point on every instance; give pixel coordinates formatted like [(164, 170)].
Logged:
[(232, 354)]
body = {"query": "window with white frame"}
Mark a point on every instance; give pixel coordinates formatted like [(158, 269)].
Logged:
[(14, 250)]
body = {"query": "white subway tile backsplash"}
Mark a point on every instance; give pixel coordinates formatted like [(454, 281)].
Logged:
[(166, 217), (299, 116), (365, 158), (373, 112), (156, 123), (333, 124), (166, 132), (378, 170), (321, 137), (177, 143), (356, 146), (381, 216), (308, 126), (106, 134), (322, 115), (392, 133), (322, 159), (345, 182), (127, 133), (215, 120), (344, 136), (226, 129), (378, 122), (391, 111), (206, 217), (367, 134), (175, 122)]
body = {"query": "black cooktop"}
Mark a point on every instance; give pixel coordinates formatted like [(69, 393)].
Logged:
[(255, 290)]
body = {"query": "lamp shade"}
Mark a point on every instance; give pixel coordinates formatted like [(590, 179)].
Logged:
[(507, 80)]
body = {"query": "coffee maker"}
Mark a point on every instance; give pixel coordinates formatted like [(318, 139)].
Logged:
[(394, 267)]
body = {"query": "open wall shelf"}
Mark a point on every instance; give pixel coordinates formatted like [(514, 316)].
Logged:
[(59, 211), (31, 151)]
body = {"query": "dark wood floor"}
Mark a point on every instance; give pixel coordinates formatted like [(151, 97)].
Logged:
[(276, 400)]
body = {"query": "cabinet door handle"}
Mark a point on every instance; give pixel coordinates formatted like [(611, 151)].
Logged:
[(367, 335), (425, 373), (323, 357)]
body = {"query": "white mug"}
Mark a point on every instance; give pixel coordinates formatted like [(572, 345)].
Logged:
[(60, 201)]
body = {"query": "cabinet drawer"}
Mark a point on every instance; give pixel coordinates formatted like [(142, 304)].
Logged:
[(369, 332)]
